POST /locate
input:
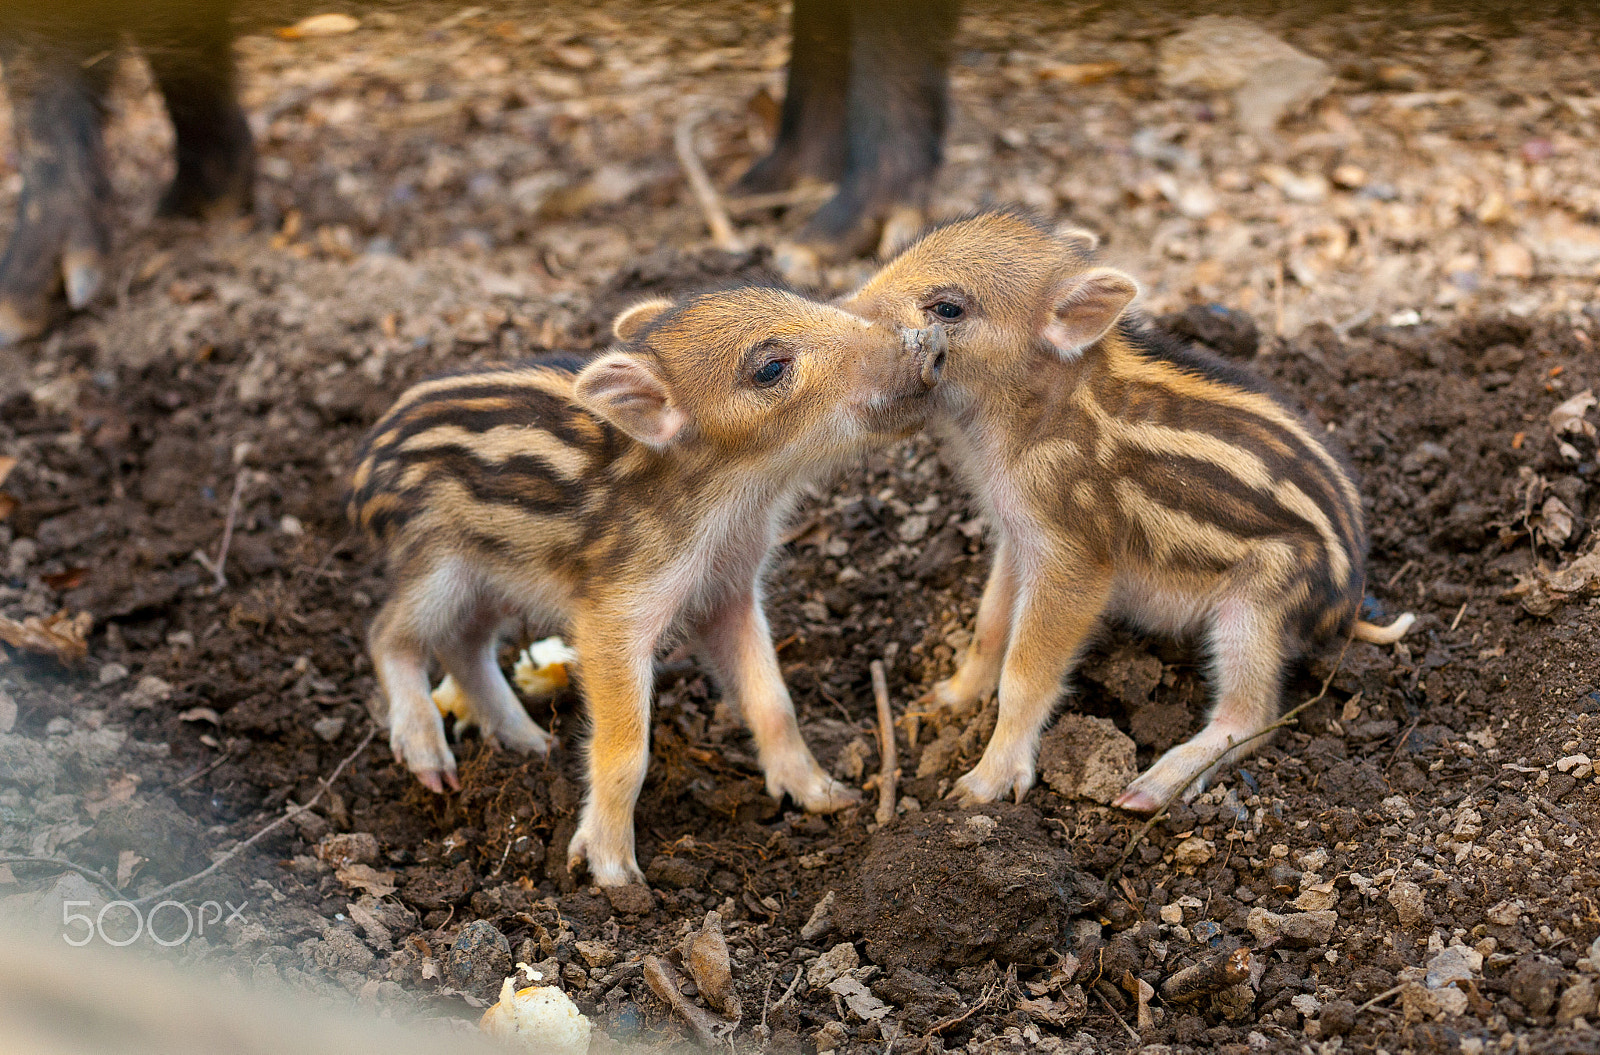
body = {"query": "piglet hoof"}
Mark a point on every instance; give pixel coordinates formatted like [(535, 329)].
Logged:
[(432, 762), (1161, 782), (983, 785), (528, 738), (608, 865), (814, 790)]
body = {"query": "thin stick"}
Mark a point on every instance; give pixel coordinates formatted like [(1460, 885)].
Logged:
[(1177, 796), (227, 533), (1120, 1020), (292, 812), (723, 235), (83, 870), (799, 973), (1397, 576), (1459, 613), (983, 1002), (816, 193), (1386, 994), (890, 768)]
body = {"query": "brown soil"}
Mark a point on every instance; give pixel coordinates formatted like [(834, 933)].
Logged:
[(1442, 766)]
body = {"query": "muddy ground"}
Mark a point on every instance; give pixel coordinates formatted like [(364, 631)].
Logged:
[(442, 187)]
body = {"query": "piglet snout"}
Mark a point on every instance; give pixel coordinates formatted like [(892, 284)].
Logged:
[(934, 344)]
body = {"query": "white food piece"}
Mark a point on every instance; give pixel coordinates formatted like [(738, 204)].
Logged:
[(541, 670), (540, 1019)]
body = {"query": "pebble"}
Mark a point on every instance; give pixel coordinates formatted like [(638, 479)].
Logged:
[(1409, 903), (1301, 930), (479, 959), (634, 899)]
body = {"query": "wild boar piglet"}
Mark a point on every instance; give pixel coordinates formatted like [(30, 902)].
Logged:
[(1125, 476), (629, 500)]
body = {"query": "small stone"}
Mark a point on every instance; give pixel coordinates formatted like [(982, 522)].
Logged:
[(1300, 930), (1171, 914), (913, 527), (831, 964), (111, 673), (1421, 1003), (1409, 903), (675, 873), (1193, 852), (1306, 1004), (830, 1036), (149, 691), (330, 728), (596, 953), (1533, 983), (1338, 1018), (820, 921), (634, 899), (1577, 1002), (1454, 964), (1571, 762), (1504, 913), (8, 712), (1349, 177), (1510, 260), (348, 848)]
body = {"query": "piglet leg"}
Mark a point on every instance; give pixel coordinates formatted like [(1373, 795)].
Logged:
[(738, 645), (416, 731), (979, 672), (1246, 647), (1054, 617), (617, 653)]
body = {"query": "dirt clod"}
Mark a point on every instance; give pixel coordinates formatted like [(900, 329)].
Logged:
[(928, 893), (479, 959), (1086, 757)]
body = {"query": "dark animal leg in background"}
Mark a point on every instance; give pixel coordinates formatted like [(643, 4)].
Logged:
[(60, 238), (897, 109), (192, 58), (811, 126)]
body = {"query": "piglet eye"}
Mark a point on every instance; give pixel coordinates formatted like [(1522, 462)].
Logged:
[(947, 311), (770, 373)]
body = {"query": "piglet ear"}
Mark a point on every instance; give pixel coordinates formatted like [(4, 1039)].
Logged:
[(626, 390), (1086, 306), (630, 321)]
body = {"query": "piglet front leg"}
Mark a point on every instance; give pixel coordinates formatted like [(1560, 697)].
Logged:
[(738, 645), (617, 672)]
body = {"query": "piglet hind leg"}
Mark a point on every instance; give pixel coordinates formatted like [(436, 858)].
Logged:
[(738, 644), (416, 730), (617, 672), (471, 659), (61, 235), (980, 668), (1054, 619), (1246, 645)]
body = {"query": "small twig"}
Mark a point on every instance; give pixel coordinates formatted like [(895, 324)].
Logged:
[(216, 566), (723, 235), (197, 774), (71, 866), (983, 1002), (1233, 745), (799, 973), (815, 193), (1459, 613), (1132, 1033), (1402, 743), (291, 813), (1397, 576), (1380, 998), (887, 752)]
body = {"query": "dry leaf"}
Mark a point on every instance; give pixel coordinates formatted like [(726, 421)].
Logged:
[(705, 952), (128, 863), (62, 636), (365, 877), (201, 714), (332, 24), (1569, 416), (7, 463), (70, 579), (118, 790), (1079, 73)]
